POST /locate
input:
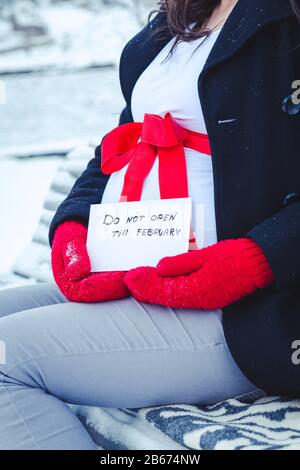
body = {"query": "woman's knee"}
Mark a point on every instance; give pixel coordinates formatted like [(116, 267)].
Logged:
[(17, 344), (22, 298)]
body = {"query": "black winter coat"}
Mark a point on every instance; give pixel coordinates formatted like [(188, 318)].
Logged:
[(255, 140)]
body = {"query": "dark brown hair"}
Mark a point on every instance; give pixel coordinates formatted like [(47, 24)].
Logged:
[(182, 13)]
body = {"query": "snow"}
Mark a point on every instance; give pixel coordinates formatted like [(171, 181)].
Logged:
[(56, 109), (22, 193), (68, 35)]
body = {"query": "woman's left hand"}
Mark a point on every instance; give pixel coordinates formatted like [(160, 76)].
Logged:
[(210, 278)]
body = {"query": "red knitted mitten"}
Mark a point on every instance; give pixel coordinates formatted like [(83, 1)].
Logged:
[(210, 278), (71, 268)]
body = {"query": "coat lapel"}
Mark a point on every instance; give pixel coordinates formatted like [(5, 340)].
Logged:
[(246, 19)]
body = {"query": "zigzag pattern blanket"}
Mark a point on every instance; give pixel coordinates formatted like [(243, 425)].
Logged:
[(269, 423)]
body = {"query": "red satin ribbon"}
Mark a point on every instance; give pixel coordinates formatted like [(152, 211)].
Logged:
[(138, 143)]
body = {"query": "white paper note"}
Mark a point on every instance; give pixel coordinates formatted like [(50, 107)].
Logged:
[(125, 235)]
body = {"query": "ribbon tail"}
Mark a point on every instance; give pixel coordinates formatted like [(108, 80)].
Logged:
[(173, 180), (137, 171), (172, 170)]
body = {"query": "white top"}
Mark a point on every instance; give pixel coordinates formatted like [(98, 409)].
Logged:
[(172, 86)]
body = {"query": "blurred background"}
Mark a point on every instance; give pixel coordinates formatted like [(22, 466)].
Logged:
[(59, 94)]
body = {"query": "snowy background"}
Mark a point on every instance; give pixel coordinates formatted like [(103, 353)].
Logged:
[(59, 90), (59, 94)]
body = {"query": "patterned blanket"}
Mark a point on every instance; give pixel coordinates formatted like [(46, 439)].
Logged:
[(269, 423)]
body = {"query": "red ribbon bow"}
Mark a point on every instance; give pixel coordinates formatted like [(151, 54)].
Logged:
[(138, 143)]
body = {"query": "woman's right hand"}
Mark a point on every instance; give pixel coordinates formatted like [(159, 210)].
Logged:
[(72, 269)]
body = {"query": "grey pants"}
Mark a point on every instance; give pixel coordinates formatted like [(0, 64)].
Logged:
[(112, 354)]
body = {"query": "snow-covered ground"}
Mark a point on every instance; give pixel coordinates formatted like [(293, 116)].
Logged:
[(58, 107), (24, 185), (66, 34)]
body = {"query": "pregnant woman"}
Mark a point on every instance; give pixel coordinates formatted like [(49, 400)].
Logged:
[(215, 82)]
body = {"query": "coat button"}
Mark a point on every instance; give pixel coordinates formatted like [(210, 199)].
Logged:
[(290, 198), (288, 107)]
